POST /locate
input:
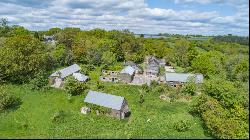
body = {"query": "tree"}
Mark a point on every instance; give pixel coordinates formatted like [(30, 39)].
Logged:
[(4, 28), (60, 53), (67, 36), (36, 35), (73, 86), (21, 57), (241, 70), (108, 58)]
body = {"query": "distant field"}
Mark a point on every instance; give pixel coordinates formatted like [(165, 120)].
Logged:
[(39, 106), (199, 38)]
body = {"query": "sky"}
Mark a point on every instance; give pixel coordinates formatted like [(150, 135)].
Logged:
[(206, 17)]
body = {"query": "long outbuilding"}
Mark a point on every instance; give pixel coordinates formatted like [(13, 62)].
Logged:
[(118, 105)]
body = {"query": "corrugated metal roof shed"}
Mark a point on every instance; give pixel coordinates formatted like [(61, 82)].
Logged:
[(66, 71), (128, 70), (105, 100), (80, 77), (183, 77)]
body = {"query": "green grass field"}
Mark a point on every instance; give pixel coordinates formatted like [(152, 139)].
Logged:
[(38, 107)]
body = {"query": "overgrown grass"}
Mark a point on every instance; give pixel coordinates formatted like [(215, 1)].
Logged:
[(33, 119)]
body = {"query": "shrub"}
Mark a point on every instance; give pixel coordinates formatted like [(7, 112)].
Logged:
[(145, 87), (189, 87), (58, 116), (99, 85), (141, 100), (94, 108), (182, 126), (73, 86), (7, 100), (40, 81)]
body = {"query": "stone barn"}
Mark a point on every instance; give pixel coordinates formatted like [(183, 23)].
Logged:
[(127, 74), (118, 105), (178, 79), (57, 78)]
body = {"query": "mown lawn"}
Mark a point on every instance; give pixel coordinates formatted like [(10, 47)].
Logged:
[(33, 118)]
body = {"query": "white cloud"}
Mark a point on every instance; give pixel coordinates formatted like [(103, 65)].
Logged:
[(135, 15)]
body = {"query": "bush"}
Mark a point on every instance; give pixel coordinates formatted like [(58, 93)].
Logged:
[(189, 88), (221, 122), (58, 116), (7, 101), (141, 100), (99, 85), (182, 126), (145, 87), (40, 81), (101, 109), (73, 86)]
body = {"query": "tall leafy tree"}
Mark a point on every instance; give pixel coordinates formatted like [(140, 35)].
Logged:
[(21, 57)]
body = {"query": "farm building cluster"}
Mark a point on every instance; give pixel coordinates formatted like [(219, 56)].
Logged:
[(132, 74)]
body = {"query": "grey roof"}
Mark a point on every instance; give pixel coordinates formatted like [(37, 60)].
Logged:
[(80, 77), (183, 77), (66, 71), (130, 63), (128, 70), (105, 100)]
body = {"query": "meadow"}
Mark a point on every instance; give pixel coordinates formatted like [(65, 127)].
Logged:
[(33, 118)]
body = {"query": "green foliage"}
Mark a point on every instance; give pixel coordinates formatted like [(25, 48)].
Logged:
[(101, 109), (39, 81), (59, 53), (66, 36), (241, 70), (108, 58), (182, 126), (141, 100), (8, 101), (99, 85), (19, 31), (21, 57), (4, 28), (58, 117), (36, 35), (145, 87), (73, 86), (190, 87), (209, 64), (53, 31), (223, 109)]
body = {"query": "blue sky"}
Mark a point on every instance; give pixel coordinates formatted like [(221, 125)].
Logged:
[(207, 17)]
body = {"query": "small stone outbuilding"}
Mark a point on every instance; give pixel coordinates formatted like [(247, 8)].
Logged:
[(118, 105), (127, 74)]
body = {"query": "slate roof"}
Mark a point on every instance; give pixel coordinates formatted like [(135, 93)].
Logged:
[(80, 77), (183, 77), (128, 70), (105, 100), (66, 71), (130, 63)]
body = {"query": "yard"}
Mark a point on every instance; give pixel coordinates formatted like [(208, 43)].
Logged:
[(33, 119)]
